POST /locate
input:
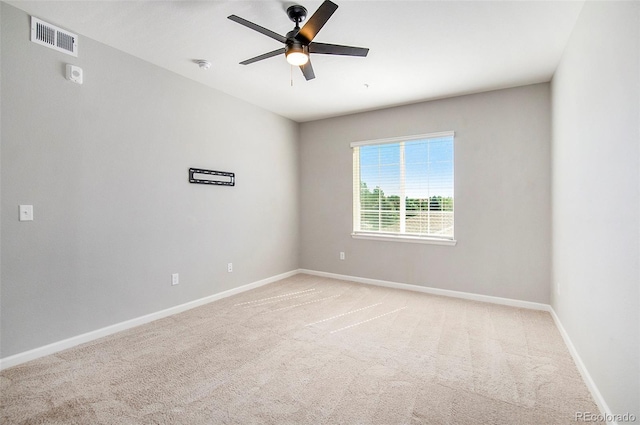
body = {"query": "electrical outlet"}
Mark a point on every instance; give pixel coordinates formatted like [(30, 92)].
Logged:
[(230, 267), (175, 279), (342, 255)]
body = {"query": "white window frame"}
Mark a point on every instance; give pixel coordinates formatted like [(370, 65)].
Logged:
[(394, 236)]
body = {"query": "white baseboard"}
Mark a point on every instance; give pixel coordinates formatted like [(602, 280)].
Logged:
[(58, 346), (434, 291), (586, 376)]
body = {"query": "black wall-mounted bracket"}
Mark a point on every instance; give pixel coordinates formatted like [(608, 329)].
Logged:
[(219, 178)]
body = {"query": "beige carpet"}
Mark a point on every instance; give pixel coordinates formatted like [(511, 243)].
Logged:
[(311, 350)]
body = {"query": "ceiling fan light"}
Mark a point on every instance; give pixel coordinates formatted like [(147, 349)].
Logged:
[(297, 58), (297, 53)]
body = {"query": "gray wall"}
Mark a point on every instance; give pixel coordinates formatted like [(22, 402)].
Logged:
[(105, 166), (502, 195), (596, 214)]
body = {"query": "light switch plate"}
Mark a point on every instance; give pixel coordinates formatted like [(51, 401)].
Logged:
[(26, 212)]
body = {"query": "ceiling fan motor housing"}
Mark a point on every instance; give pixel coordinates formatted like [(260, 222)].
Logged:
[(295, 45)]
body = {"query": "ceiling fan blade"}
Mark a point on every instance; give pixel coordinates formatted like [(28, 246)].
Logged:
[(316, 22), (276, 52), (337, 49), (307, 71), (256, 27)]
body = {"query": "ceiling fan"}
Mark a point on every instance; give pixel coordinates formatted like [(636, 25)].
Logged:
[(299, 41)]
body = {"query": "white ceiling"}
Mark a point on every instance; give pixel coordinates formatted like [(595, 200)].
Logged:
[(419, 50)]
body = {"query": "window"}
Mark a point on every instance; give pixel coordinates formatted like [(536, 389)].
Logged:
[(403, 188)]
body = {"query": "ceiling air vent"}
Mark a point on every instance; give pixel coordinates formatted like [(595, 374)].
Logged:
[(53, 37)]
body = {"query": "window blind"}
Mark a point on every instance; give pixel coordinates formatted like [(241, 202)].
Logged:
[(404, 186)]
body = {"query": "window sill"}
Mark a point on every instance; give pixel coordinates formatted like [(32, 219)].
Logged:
[(398, 238)]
